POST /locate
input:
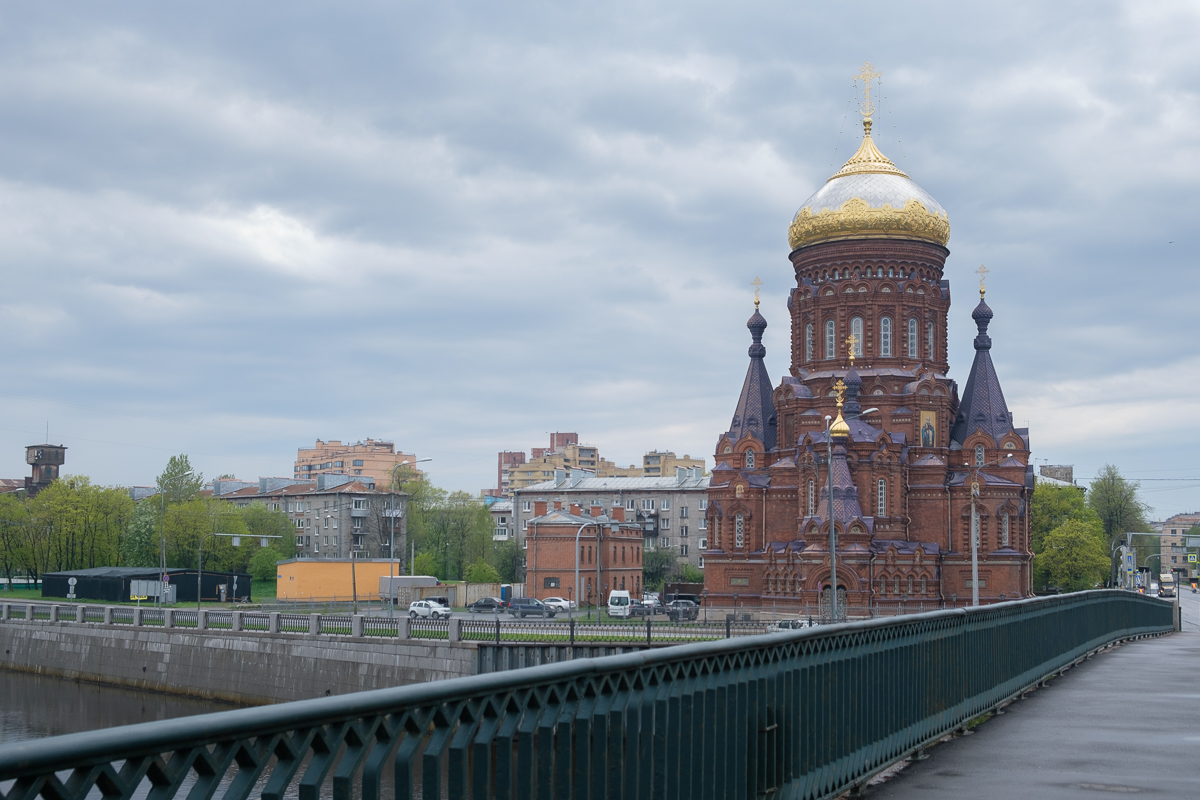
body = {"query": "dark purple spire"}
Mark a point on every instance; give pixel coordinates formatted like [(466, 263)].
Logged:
[(852, 408), (755, 414), (982, 316), (982, 407)]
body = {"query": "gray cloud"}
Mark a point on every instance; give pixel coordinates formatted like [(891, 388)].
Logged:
[(463, 225)]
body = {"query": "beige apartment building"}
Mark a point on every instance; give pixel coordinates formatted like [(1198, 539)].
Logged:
[(373, 458), (655, 463), (1174, 544), (566, 453)]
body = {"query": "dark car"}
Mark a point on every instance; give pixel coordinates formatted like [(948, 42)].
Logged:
[(487, 605), (682, 610), (441, 601), (639, 609), (529, 607)]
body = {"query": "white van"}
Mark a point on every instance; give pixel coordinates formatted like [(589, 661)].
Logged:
[(618, 603)]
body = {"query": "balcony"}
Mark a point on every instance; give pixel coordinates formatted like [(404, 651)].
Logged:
[(359, 512), (500, 535)]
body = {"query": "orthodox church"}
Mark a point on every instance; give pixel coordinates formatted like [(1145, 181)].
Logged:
[(867, 436)]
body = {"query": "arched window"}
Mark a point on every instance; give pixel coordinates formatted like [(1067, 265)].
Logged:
[(885, 336), (979, 455), (881, 498), (929, 338), (830, 339), (914, 338), (739, 531), (808, 342), (856, 328), (1004, 529), (749, 459), (812, 491)]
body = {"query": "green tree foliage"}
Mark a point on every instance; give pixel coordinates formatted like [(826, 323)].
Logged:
[(263, 564), (1116, 503), (425, 564), (139, 546), (1075, 556), (690, 574), (657, 567), (482, 572), (1051, 507), (261, 521), (508, 560), (179, 480), (76, 525), (14, 521)]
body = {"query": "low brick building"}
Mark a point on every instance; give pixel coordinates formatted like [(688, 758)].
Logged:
[(610, 554)]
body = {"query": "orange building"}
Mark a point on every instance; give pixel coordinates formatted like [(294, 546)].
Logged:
[(374, 458), (610, 554), (332, 579)]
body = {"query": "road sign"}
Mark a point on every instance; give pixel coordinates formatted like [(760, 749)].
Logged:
[(1191, 558), (72, 581), (166, 578), (1193, 541)]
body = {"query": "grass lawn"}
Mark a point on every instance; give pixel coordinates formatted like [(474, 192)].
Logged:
[(259, 591)]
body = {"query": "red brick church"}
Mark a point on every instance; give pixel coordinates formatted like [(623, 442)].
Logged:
[(869, 310)]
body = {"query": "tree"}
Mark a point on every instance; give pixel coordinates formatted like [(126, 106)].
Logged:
[(14, 519), (261, 521), (657, 567), (482, 572), (424, 564), (508, 560), (139, 546), (180, 482), (263, 565), (1051, 507), (691, 574), (1075, 556), (1115, 502)]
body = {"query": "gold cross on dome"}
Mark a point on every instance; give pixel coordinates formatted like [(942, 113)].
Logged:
[(757, 283), (851, 341), (867, 74), (840, 388), (982, 272)]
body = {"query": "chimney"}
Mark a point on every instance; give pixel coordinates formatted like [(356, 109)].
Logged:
[(539, 508), (576, 509), (597, 510), (558, 505), (618, 513)]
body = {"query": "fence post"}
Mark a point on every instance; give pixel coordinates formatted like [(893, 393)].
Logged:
[(29, 613), (727, 626), (168, 618), (497, 630), (314, 623), (647, 631), (237, 621), (275, 623), (403, 629), (202, 619), (137, 617), (5, 611), (54, 613), (356, 624), (108, 615), (455, 632), (79, 613), (572, 631)]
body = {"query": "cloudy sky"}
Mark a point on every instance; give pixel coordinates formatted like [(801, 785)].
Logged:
[(228, 230)]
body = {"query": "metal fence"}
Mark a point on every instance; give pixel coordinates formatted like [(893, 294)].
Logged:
[(808, 714)]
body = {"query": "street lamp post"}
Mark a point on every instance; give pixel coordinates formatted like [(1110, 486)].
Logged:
[(832, 518), (577, 534), (162, 537), (392, 538)]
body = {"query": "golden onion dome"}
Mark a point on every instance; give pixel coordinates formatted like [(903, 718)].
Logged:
[(839, 426), (869, 197)]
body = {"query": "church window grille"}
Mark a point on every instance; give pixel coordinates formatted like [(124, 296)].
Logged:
[(979, 453), (856, 328), (913, 338), (881, 504), (924, 589), (1004, 530), (909, 590), (896, 585), (808, 342), (830, 339), (812, 491), (885, 336), (739, 531), (749, 459)]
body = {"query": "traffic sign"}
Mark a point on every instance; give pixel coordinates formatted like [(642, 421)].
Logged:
[(72, 581), (1191, 558), (166, 578)]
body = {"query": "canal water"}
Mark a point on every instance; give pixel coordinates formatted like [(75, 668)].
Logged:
[(34, 706)]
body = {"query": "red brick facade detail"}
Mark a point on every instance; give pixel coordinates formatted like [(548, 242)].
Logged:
[(610, 557)]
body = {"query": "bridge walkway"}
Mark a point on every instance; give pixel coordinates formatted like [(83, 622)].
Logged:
[(1125, 722)]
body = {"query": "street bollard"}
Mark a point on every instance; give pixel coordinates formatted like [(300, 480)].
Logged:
[(314, 623), (275, 623), (357, 623), (237, 621)]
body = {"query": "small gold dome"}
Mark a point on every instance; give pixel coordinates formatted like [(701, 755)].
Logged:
[(839, 426)]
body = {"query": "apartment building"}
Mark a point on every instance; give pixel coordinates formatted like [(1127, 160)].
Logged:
[(1174, 542), (372, 458), (669, 510), (655, 464), (335, 516), (503, 525), (566, 453)]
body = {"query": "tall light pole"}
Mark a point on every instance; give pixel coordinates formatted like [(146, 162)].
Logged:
[(392, 539), (577, 593), (832, 518), (162, 537)]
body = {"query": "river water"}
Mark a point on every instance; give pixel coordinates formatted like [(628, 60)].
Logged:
[(34, 706)]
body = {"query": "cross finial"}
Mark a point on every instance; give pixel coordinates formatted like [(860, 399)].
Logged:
[(867, 74), (757, 283), (840, 388), (851, 341), (982, 272)]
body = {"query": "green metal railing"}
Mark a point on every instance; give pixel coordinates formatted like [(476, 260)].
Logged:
[(807, 714)]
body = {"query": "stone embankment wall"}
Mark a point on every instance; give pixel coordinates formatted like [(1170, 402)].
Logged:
[(243, 667)]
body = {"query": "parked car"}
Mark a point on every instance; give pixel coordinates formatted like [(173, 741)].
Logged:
[(787, 625), (529, 607), (639, 609), (428, 609), (487, 605), (682, 610), (444, 602), (559, 603), (654, 603)]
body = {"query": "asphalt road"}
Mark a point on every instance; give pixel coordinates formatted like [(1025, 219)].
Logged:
[(1125, 722)]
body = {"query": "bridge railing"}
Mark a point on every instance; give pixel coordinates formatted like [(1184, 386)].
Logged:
[(807, 713)]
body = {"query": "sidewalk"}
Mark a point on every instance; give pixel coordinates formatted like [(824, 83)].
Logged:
[(1125, 722)]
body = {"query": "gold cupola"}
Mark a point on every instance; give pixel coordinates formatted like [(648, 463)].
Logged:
[(869, 197)]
